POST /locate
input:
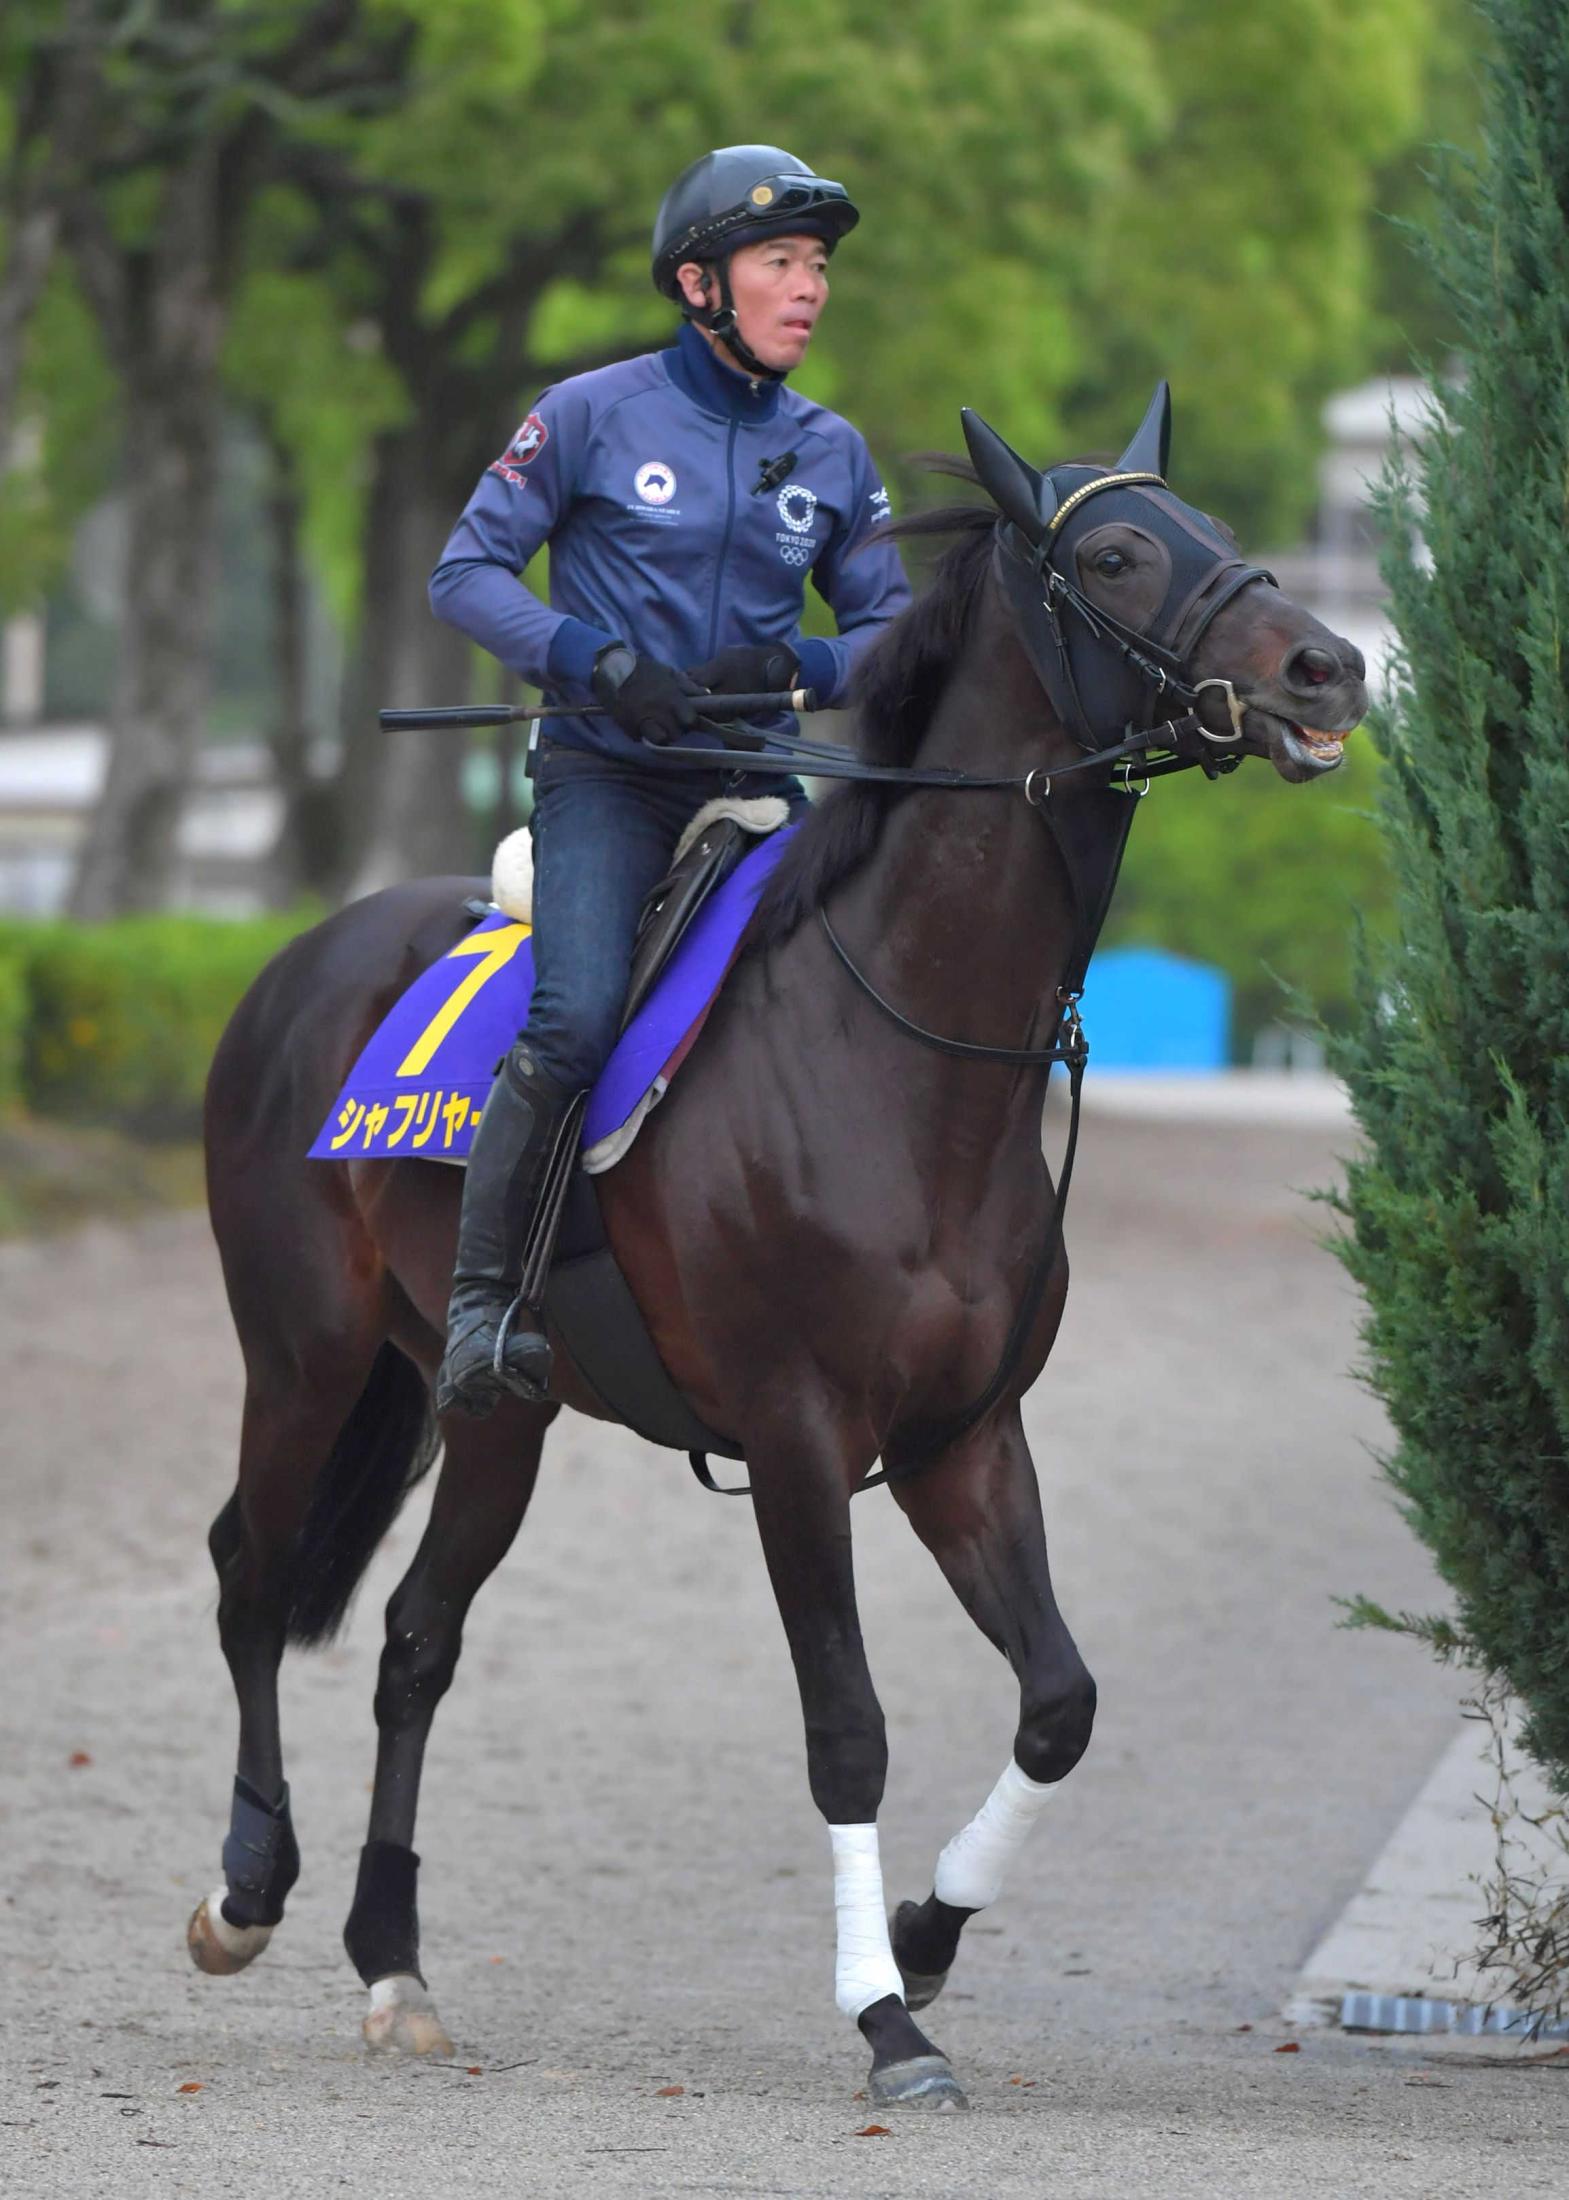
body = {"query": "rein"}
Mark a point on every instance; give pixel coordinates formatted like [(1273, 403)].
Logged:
[(1150, 754)]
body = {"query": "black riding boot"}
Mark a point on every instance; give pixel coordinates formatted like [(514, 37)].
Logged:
[(494, 1343)]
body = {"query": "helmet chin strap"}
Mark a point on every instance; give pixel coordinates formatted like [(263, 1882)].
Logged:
[(720, 321)]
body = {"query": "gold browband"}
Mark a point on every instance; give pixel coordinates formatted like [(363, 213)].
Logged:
[(1106, 481)]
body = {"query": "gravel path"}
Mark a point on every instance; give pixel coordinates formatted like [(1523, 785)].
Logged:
[(625, 1886)]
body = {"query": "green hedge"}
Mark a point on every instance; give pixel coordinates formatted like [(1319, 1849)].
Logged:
[(116, 1023), (13, 1026)]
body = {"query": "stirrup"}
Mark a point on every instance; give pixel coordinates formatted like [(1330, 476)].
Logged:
[(517, 1385)]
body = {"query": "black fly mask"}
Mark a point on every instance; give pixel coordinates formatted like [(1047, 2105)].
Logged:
[(1113, 673)]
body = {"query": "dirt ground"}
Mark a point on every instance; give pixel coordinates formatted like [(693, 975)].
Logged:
[(625, 1887)]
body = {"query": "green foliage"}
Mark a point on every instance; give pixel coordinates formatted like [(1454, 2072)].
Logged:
[(1459, 1062), (1021, 195), (297, 353), (1272, 883), (455, 208), (1413, 319), (1054, 213), (121, 1019), (13, 1026), (516, 179), (1236, 260), (68, 446), (1440, 1635)]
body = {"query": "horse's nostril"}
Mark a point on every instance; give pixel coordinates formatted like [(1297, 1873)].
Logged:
[(1312, 667)]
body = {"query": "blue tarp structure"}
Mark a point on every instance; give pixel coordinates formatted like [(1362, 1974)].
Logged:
[(1145, 1009)]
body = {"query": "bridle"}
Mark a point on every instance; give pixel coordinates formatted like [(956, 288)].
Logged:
[(1048, 607)]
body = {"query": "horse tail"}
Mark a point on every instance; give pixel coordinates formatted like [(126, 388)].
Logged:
[(384, 1447)]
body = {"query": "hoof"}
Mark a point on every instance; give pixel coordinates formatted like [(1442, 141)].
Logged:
[(403, 2020), (925, 2081), (217, 1947), (921, 1988)]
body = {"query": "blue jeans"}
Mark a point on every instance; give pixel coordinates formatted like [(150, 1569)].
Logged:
[(604, 833)]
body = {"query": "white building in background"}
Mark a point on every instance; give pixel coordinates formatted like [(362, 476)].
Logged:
[(49, 782), (50, 775), (1335, 573), (22, 668)]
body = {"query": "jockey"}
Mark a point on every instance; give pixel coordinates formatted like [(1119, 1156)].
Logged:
[(685, 496)]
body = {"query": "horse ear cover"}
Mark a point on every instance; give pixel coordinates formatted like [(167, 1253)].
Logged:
[(1151, 445), (1018, 491)]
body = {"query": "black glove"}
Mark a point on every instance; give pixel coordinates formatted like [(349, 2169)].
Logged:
[(765, 668), (647, 699)]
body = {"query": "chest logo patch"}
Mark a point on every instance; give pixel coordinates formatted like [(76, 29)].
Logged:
[(797, 508), (655, 482)]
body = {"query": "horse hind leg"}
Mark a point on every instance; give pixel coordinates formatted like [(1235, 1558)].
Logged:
[(978, 1511), (324, 1464), (487, 1479), (230, 1927)]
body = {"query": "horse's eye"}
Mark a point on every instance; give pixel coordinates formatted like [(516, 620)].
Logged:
[(1111, 563)]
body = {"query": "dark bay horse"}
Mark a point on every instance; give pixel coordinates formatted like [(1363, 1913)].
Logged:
[(830, 1227)]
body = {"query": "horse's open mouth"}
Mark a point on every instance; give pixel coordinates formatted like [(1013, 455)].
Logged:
[(1305, 748), (1307, 745)]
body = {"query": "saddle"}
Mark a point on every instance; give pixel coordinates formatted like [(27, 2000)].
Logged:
[(706, 854)]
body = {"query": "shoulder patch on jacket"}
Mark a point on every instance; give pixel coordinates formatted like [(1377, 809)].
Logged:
[(524, 448)]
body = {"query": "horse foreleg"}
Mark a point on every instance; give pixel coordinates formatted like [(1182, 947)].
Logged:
[(802, 1505), (487, 1478), (978, 1511)]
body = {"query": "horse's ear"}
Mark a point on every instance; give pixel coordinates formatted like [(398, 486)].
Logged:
[(1010, 481), (1151, 446)]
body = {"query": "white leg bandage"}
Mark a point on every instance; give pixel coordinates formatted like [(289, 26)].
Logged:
[(864, 1970), (971, 1869)]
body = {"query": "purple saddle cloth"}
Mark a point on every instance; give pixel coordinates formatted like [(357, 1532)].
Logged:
[(420, 1084)]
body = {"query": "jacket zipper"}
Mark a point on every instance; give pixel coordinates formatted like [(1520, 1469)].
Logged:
[(724, 543)]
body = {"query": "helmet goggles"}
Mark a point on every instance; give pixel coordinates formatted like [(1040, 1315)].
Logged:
[(772, 205)]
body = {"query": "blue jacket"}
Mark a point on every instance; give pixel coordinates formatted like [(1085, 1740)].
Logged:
[(641, 477)]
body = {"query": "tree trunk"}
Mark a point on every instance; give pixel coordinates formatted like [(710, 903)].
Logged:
[(302, 857), (22, 280), (52, 118), (401, 805), (162, 683), (163, 313)]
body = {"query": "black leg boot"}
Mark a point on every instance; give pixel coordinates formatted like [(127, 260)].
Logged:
[(494, 1343)]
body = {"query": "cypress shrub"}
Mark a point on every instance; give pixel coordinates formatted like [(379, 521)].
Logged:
[(1458, 1063)]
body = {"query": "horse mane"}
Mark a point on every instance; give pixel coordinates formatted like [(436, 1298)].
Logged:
[(894, 693)]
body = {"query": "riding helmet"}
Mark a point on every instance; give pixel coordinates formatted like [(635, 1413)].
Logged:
[(740, 195)]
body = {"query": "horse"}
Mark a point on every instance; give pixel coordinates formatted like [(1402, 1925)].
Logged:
[(839, 1225)]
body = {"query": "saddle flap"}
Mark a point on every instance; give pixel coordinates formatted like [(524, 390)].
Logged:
[(713, 844)]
